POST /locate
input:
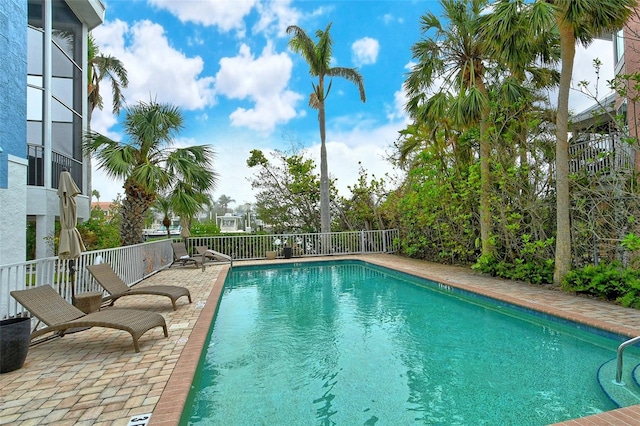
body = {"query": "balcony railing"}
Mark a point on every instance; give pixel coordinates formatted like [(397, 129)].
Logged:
[(59, 162), (601, 154)]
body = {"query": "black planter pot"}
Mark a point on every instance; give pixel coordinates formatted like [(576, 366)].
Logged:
[(14, 343), (287, 252)]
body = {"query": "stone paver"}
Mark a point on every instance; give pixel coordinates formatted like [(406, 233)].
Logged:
[(95, 377)]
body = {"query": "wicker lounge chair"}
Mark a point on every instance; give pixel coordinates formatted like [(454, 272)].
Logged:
[(111, 282), (212, 255), (59, 315), (181, 256)]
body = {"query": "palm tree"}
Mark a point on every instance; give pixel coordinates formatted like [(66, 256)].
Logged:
[(530, 53), (99, 68), (454, 60), (163, 206), (224, 201), (318, 56), (148, 165), (576, 20), (187, 200)]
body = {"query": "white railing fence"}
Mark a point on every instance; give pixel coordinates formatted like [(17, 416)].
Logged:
[(132, 263), (135, 263), (248, 247)]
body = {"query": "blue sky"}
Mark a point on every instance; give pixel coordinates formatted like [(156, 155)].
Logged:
[(226, 65)]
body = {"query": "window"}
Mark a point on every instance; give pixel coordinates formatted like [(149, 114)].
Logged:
[(61, 91), (619, 46)]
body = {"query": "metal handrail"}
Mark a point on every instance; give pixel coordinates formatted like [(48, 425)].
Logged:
[(620, 351)]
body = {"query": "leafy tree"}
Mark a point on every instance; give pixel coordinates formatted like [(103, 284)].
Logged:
[(362, 210), (101, 231), (149, 166), (434, 210), (289, 191), (318, 56)]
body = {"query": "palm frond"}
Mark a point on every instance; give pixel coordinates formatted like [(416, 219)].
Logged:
[(350, 74)]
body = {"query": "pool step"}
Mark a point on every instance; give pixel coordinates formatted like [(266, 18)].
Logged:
[(621, 395)]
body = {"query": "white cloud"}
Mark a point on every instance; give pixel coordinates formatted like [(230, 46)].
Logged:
[(263, 81), (108, 187), (155, 69), (388, 18), (275, 17), (347, 151), (365, 51), (396, 110), (227, 15)]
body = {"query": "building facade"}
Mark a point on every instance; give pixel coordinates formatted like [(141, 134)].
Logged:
[(44, 107), (627, 61)]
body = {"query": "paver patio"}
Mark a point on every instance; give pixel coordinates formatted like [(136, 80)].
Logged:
[(95, 377)]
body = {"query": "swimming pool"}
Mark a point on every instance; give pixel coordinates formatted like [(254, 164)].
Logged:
[(350, 343)]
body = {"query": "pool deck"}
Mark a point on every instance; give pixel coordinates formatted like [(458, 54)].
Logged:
[(95, 377)]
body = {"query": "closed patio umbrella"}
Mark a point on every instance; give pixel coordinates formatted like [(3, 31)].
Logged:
[(184, 228), (70, 245)]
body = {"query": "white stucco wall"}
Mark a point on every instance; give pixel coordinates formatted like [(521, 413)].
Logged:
[(13, 213)]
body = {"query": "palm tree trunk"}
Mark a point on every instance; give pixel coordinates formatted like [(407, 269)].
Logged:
[(485, 177), (485, 191), (134, 208), (563, 204), (325, 212)]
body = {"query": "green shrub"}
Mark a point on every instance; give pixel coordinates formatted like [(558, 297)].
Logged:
[(532, 265), (607, 281), (205, 228)]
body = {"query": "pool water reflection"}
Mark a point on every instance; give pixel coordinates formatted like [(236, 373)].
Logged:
[(351, 343)]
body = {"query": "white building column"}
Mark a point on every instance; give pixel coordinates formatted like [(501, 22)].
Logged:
[(45, 232), (14, 213)]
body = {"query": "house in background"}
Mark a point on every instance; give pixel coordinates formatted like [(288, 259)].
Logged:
[(44, 107), (231, 223), (598, 142), (104, 207), (626, 47), (605, 154)]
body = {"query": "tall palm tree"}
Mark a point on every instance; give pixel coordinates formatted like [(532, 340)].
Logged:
[(148, 165), (99, 68), (577, 21), (224, 201), (318, 56), (454, 59), (530, 54)]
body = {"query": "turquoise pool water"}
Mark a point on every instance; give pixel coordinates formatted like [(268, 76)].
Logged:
[(348, 343)]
